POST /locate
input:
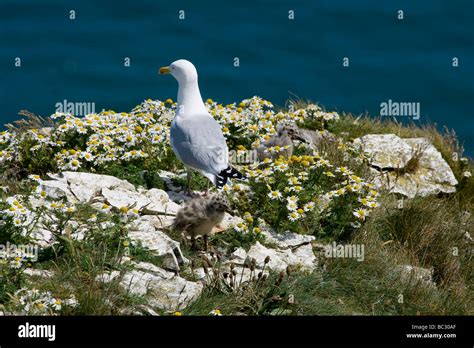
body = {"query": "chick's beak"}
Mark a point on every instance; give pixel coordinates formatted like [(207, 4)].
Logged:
[(297, 137), (164, 70)]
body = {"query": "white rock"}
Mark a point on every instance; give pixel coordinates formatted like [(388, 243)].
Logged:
[(419, 274), (435, 170), (287, 239), (107, 276), (432, 175), (56, 189), (166, 208), (166, 293), (144, 230), (119, 198), (302, 256), (83, 193), (229, 220), (38, 272), (86, 185), (147, 310), (151, 268), (386, 150), (157, 195), (239, 254), (42, 236), (305, 257)]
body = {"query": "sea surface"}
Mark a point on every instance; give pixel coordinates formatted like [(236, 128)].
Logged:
[(82, 59)]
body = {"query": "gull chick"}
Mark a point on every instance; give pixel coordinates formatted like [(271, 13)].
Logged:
[(199, 215), (196, 137), (283, 139)]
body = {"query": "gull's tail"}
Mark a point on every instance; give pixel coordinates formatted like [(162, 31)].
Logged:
[(228, 173)]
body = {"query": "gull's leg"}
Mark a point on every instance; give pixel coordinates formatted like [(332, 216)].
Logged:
[(193, 243), (189, 175), (205, 242)]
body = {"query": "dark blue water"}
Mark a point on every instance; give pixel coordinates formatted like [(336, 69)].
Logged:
[(81, 60)]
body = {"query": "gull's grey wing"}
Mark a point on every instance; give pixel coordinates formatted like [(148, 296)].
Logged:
[(199, 143)]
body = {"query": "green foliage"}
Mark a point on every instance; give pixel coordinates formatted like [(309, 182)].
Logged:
[(135, 174), (258, 293), (28, 162), (198, 182)]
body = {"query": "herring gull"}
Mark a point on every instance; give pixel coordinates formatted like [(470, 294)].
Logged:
[(196, 137)]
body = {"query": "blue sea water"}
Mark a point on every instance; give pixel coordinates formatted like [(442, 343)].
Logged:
[(82, 60)]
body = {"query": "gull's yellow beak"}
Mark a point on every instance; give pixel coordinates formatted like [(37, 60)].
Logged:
[(164, 70)]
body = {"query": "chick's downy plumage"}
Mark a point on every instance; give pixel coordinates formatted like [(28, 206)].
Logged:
[(283, 138), (199, 215)]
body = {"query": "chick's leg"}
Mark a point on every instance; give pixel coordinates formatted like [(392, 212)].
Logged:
[(193, 243)]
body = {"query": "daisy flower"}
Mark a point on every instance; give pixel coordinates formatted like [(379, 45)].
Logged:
[(87, 156), (374, 193), (309, 206), (53, 205), (292, 199), (297, 188), (240, 227), (69, 210), (372, 205), (74, 164), (42, 193), (361, 214), (343, 170), (34, 177), (274, 194), (293, 180), (281, 167), (293, 216), (356, 179), (55, 304), (16, 263), (134, 212), (105, 208)]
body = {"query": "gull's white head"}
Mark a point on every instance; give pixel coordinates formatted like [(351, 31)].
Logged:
[(182, 70), (189, 97)]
